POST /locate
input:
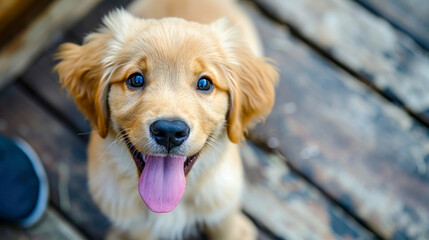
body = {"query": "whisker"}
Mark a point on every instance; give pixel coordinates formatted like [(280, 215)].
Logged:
[(115, 141)]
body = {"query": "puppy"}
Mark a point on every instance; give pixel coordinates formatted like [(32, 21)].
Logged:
[(170, 87)]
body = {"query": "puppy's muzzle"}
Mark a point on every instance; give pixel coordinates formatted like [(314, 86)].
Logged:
[(168, 133)]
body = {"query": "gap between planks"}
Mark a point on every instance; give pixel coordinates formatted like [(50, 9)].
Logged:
[(265, 146), (373, 9), (392, 98)]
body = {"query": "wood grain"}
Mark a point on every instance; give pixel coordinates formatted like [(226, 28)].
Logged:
[(368, 45), (288, 206), (62, 153), (363, 151), (411, 17), (50, 226)]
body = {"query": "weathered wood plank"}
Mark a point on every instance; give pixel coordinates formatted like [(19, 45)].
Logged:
[(365, 43), (410, 17), (21, 51), (363, 151), (287, 205), (51, 226), (63, 155)]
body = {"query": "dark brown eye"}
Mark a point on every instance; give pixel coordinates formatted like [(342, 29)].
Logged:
[(136, 80), (204, 84)]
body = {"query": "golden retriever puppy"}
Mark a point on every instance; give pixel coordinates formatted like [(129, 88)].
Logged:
[(170, 87)]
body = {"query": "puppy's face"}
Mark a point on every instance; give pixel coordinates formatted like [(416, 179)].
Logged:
[(168, 97), (170, 89)]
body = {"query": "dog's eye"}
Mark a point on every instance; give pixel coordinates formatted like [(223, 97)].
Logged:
[(204, 84), (136, 80)]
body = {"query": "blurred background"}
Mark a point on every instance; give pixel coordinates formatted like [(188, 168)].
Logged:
[(344, 154)]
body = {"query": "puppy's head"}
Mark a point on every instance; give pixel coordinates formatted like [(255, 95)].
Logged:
[(170, 88)]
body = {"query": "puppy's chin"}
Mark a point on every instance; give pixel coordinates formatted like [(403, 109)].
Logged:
[(162, 178)]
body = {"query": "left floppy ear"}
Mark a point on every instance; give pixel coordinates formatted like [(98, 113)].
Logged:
[(80, 71), (85, 70), (251, 82)]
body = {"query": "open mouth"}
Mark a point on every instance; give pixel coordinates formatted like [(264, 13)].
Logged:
[(140, 159), (162, 178)]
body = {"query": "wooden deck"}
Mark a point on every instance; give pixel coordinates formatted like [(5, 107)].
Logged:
[(344, 155)]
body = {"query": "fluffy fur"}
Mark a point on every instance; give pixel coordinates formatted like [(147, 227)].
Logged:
[(153, 38)]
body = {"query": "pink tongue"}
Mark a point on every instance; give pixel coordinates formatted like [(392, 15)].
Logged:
[(162, 182)]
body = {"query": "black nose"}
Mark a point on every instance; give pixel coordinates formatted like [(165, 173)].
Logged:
[(169, 133)]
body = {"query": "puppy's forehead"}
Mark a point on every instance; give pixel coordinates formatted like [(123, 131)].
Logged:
[(171, 39)]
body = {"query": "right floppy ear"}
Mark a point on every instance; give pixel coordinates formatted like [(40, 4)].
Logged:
[(251, 81), (81, 72), (85, 70)]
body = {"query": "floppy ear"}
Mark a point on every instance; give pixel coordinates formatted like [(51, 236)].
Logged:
[(251, 82), (81, 72), (252, 93), (85, 70)]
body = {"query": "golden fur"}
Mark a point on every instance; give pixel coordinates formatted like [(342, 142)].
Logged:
[(172, 53)]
